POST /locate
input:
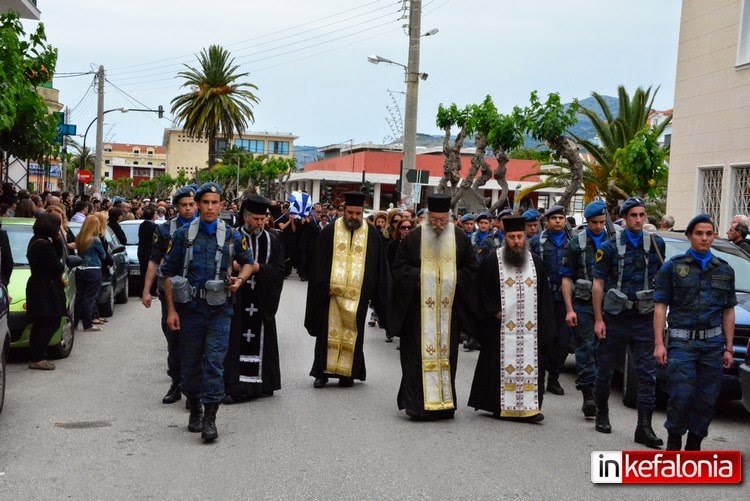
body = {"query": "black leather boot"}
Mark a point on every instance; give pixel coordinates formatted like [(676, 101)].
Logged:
[(602, 417), (644, 434), (195, 421), (553, 386), (693, 442), (210, 433), (674, 442), (589, 406), (173, 394)]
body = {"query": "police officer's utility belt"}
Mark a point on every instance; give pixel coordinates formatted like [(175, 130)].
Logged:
[(695, 333)]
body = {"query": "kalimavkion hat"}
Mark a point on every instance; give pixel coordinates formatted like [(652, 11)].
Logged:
[(438, 203), (255, 204), (354, 199), (514, 223)]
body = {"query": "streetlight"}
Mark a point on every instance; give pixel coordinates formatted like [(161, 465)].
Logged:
[(97, 178)]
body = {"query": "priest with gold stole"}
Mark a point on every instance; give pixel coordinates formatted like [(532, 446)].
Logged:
[(433, 272), (515, 327), (347, 270)]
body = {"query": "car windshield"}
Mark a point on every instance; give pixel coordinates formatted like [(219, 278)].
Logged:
[(19, 237), (740, 263), (131, 232)]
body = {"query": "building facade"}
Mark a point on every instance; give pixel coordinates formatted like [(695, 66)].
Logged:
[(138, 162), (190, 154), (710, 148)]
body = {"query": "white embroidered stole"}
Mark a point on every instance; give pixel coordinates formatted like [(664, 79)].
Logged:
[(437, 287), (519, 364)]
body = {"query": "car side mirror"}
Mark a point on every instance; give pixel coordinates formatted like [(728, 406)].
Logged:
[(73, 261), (118, 249)]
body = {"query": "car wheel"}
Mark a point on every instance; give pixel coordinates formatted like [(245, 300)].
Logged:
[(122, 297), (629, 381), (108, 308), (3, 360), (63, 349)]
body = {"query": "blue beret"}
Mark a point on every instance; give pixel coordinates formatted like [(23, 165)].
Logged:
[(421, 211), (531, 215), (505, 212), (208, 188), (700, 218), (483, 215), (630, 203), (467, 217), (554, 210), (185, 191), (595, 208)]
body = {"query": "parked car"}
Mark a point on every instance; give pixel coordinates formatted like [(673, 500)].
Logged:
[(20, 231), (115, 286), (678, 243), (745, 378), (131, 232), (4, 340)]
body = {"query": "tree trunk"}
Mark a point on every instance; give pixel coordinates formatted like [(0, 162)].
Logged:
[(211, 151), (452, 164), (469, 189), (499, 175), (567, 148)]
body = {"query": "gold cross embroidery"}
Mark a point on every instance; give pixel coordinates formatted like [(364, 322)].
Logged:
[(431, 350), (430, 302), (445, 302)]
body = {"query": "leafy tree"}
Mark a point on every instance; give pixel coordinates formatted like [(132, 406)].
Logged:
[(217, 104), (27, 130)]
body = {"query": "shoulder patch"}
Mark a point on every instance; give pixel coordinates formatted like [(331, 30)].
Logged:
[(155, 238), (169, 246), (599, 255), (682, 269), (244, 243)]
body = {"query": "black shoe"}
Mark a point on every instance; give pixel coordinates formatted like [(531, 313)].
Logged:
[(589, 406), (471, 345), (693, 442), (553, 386), (674, 442), (346, 382), (602, 417), (644, 434), (320, 382), (209, 432), (173, 394), (195, 421), (388, 339)]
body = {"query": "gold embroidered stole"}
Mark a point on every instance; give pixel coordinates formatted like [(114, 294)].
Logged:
[(519, 365), (438, 284), (347, 275)]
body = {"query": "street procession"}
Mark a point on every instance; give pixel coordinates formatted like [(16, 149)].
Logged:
[(526, 281)]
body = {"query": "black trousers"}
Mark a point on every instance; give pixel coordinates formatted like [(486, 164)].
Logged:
[(41, 333)]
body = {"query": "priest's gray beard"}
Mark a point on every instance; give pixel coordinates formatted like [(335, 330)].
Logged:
[(255, 232), (516, 256), (435, 240), (352, 224)]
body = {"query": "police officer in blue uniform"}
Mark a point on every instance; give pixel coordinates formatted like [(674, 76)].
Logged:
[(550, 245), (577, 274), (184, 202), (197, 289), (532, 217), (698, 288), (623, 300)]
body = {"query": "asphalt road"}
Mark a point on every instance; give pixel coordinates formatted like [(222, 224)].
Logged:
[(95, 428)]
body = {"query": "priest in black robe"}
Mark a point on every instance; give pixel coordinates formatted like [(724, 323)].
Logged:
[(251, 367), (347, 270), (515, 328), (433, 273)]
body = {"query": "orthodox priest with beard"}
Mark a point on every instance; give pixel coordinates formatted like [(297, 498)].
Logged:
[(515, 326), (433, 272), (347, 271), (251, 367)]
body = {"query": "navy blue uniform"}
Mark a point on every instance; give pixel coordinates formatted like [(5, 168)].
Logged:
[(552, 251), (629, 328), (696, 300), (204, 328)]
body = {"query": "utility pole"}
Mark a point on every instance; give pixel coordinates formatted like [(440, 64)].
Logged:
[(99, 130), (412, 92)]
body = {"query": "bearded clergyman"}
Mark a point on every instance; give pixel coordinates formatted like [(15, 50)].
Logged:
[(433, 273), (347, 271), (251, 368), (515, 329)]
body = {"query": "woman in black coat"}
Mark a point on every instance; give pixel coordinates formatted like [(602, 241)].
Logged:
[(45, 291)]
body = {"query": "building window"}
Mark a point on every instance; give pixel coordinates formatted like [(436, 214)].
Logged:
[(108, 149), (106, 162), (221, 145), (136, 151), (741, 190), (743, 44), (135, 163), (711, 193), (149, 163), (106, 174), (278, 147), (150, 153), (251, 145)]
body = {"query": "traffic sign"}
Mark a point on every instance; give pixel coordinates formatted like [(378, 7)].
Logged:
[(85, 176), (418, 176)]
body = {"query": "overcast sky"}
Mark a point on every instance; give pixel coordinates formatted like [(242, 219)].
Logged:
[(309, 58)]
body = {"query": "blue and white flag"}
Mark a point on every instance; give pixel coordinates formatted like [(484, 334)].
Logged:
[(300, 204)]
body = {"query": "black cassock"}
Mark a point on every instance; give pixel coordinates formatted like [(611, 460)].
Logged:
[(376, 286), (406, 315), (251, 367), (485, 389)]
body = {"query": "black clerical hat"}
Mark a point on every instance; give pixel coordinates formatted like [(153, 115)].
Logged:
[(438, 203), (354, 199), (255, 204), (514, 223)]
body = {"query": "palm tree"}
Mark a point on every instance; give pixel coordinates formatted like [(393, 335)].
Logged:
[(216, 104), (82, 155)]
